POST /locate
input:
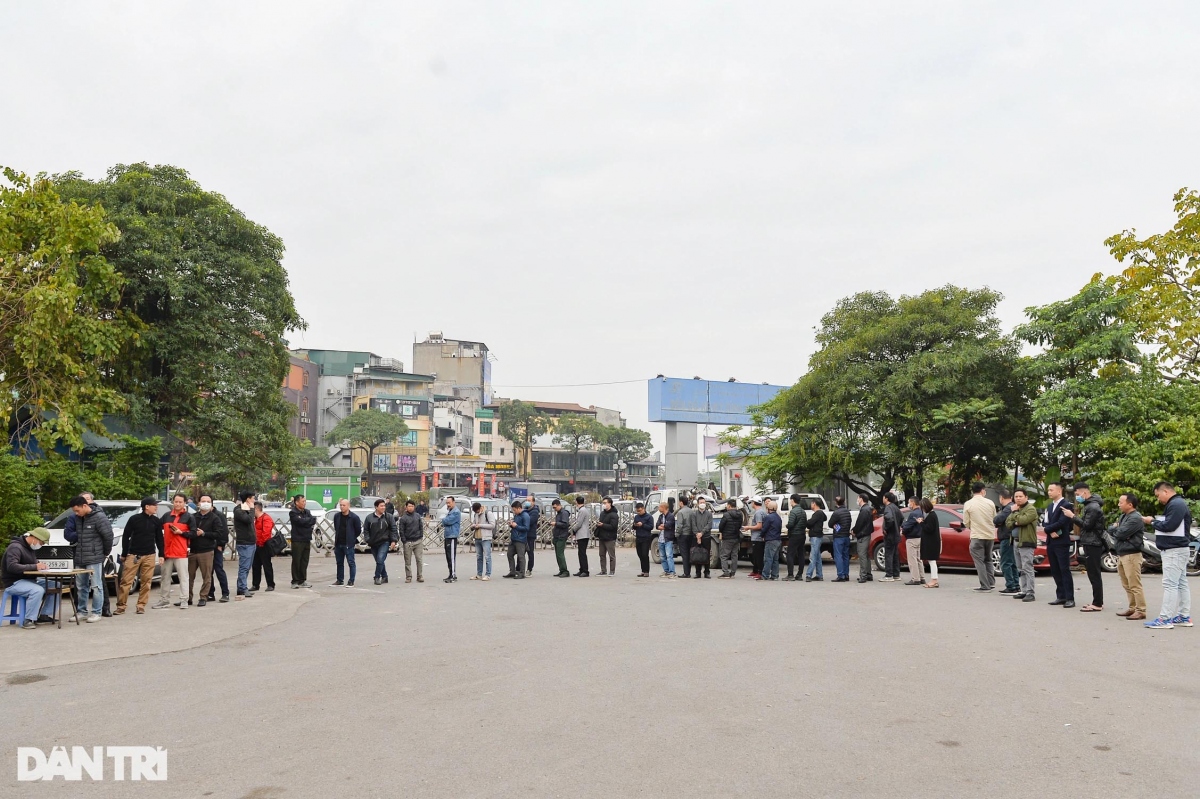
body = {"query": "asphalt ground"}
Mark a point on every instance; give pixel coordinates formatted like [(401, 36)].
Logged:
[(621, 686)]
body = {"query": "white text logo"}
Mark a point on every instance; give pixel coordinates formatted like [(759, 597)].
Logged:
[(128, 763)]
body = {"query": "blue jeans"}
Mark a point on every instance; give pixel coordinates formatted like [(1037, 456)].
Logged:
[(666, 549), (841, 556), (218, 574), (93, 583), (380, 551), (35, 595), (1008, 565), (814, 556), (1177, 596), (770, 570), (344, 552), (245, 562), (483, 558)]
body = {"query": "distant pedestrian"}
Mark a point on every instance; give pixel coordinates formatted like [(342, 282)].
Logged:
[(1128, 539), (141, 551), (772, 533), (581, 528), (666, 539), (483, 527), (264, 529), (685, 534), (561, 533), (931, 541), (911, 530), (702, 519), (863, 527), (1058, 545), (816, 538), (643, 534), (347, 527), (450, 529), (606, 537), (219, 577), (892, 522), (212, 534), (730, 530), (411, 527), (978, 515), (422, 509), (797, 523), (1023, 524), (179, 528), (244, 538), (518, 537), (94, 536), (21, 557), (1172, 536), (379, 531), (839, 525), (757, 546), (535, 518), (302, 523), (1008, 558), (1089, 521)]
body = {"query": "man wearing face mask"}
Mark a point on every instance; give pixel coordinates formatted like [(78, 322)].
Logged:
[(211, 532), (21, 557), (702, 525)]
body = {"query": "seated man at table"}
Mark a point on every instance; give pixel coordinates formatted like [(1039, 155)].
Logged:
[(21, 557)]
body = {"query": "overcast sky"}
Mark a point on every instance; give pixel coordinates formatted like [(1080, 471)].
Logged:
[(607, 191)]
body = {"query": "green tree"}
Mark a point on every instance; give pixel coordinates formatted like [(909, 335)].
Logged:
[(521, 423), (18, 506), (58, 479), (627, 443), (61, 327), (1089, 366), (211, 288), (1161, 281), (897, 386), (574, 432), (369, 429), (301, 455), (130, 470)]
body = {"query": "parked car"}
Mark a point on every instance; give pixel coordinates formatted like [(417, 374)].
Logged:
[(362, 513), (58, 553), (956, 542), (364, 501)]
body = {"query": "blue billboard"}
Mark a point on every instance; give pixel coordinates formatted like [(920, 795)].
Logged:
[(675, 399)]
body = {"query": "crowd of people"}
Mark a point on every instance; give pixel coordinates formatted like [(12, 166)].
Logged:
[(189, 546)]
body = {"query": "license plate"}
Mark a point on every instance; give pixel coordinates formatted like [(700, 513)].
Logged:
[(58, 564)]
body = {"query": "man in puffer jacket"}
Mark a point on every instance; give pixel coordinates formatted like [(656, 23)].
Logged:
[(606, 535), (94, 540), (1090, 524)]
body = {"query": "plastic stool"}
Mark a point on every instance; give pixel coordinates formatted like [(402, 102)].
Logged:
[(16, 609)]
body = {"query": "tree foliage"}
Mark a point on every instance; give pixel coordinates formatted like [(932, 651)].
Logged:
[(575, 432), (1161, 281), (210, 287), (521, 422), (62, 326), (628, 443), (18, 505), (367, 428), (896, 386)]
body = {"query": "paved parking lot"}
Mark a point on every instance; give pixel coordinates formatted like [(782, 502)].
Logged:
[(614, 687)]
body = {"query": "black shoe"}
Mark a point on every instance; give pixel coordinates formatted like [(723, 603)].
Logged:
[(201, 604), (225, 598), (818, 579), (254, 588), (1029, 598), (981, 589), (30, 624), (376, 581), (1057, 602), (789, 579), (862, 579), (685, 576), (510, 575), (1069, 604), (210, 598), (707, 576), (44, 619), (350, 583), (1011, 591), (384, 578), (518, 577), (448, 580), (1019, 595), (337, 582), (270, 588), (584, 574), (807, 579), (563, 574)]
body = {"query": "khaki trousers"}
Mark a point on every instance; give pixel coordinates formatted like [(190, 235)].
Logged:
[(1129, 567), (912, 548), (141, 567), (177, 566), (411, 549), (203, 562)]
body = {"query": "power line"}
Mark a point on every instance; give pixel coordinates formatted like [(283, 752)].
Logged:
[(575, 385)]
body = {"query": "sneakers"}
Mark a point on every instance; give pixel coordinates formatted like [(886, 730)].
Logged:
[(1182, 621), (160, 604), (1011, 591), (93, 617), (485, 578), (1158, 624), (337, 582)]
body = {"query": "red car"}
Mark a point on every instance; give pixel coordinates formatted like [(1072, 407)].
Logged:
[(956, 543)]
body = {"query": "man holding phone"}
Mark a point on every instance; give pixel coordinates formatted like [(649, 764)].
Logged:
[(245, 540), (1058, 528)]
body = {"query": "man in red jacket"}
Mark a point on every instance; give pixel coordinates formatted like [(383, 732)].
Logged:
[(178, 529), (264, 528)]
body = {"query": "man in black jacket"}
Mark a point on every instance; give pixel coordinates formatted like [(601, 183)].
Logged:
[(562, 531), (412, 541), (892, 521), (1008, 555), (141, 551), (246, 540), (347, 527), (94, 537), (302, 522), (816, 538), (1128, 539), (606, 538), (535, 516), (839, 523), (797, 523), (212, 534), (380, 532), (864, 525), (1090, 524), (730, 530)]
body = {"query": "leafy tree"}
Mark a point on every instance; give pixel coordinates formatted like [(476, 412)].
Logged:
[(58, 479), (574, 432), (1090, 365), (627, 443), (211, 288), (301, 455), (521, 422), (61, 327), (897, 386), (132, 470), (18, 508), (369, 429), (1161, 281)]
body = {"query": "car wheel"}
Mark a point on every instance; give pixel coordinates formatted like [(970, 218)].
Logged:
[(1108, 561), (996, 570), (880, 558), (1193, 566), (655, 555), (714, 557)]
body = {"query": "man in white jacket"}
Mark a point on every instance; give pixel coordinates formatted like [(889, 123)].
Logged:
[(581, 529)]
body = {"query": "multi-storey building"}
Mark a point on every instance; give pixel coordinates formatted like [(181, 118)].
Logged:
[(300, 390)]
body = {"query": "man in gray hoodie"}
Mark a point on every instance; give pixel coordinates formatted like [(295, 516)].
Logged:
[(685, 533), (702, 525), (581, 529)]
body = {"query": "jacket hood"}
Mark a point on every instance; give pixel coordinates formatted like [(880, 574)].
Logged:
[(1094, 499)]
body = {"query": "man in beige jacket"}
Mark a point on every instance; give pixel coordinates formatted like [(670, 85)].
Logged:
[(978, 515)]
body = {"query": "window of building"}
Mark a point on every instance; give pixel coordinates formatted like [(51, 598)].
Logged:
[(304, 403), (304, 380), (485, 448), (409, 439), (485, 428), (502, 450), (304, 431), (408, 410)]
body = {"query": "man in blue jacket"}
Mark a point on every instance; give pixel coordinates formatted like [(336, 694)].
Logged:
[(518, 536), (450, 527), (1172, 536), (1058, 528)]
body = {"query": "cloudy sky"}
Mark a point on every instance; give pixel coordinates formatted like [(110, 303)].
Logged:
[(606, 191)]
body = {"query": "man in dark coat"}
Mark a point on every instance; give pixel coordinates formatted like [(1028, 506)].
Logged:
[(1058, 528)]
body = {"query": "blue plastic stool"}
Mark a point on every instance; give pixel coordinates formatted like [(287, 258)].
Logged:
[(16, 609)]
